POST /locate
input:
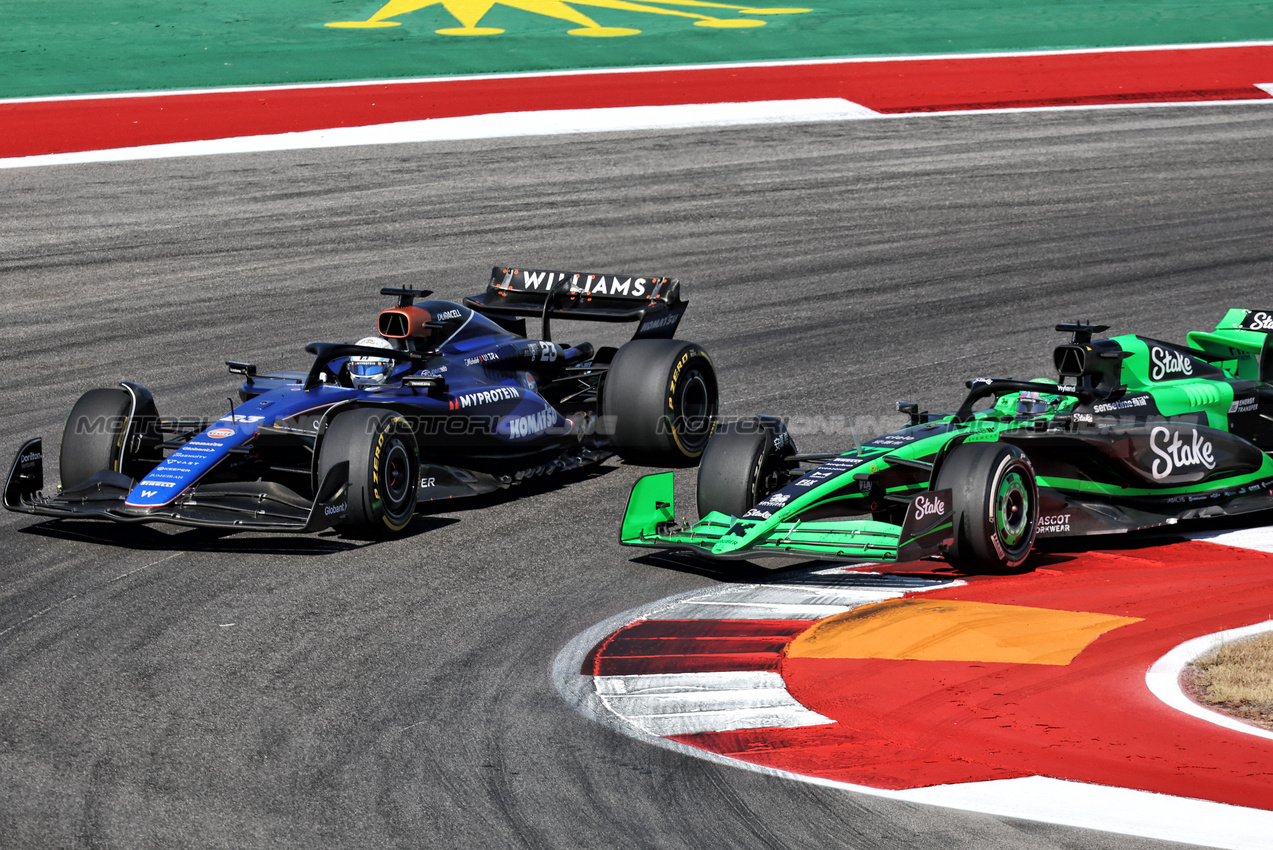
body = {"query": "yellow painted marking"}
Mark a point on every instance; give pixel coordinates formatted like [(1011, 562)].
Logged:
[(949, 630), (602, 32), (469, 14)]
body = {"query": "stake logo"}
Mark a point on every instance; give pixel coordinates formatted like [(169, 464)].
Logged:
[(1169, 365), (1258, 320), (1173, 453), (469, 14), (925, 506)]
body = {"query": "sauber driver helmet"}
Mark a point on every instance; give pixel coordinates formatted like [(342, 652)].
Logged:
[(366, 369)]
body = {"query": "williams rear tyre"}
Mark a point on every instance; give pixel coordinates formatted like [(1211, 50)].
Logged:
[(384, 469), (660, 398), (996, 506), (114, 429), (740, 466)]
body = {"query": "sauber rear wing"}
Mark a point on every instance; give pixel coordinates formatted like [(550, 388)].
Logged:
[(1244, 337), (655, 302)]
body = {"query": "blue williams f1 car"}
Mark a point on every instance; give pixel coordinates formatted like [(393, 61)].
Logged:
[(448, 400)]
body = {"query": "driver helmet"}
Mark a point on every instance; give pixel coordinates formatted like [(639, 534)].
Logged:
[(1033, 403), (366, 369)]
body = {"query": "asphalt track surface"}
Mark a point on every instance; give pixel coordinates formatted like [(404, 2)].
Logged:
[(164, 688)]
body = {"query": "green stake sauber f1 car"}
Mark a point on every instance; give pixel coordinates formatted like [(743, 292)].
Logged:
[(1135, 433)]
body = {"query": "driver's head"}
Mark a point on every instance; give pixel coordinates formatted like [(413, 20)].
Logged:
[(1033, 403), (366, 369)]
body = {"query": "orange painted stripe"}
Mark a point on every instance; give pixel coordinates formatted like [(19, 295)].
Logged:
[(952, 630)]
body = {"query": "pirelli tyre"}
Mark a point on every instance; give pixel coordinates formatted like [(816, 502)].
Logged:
[(742, 465), (111, 429), (660, 401), (996, 506), (384, 469)]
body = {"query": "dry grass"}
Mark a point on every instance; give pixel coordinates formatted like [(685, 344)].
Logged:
[(1237, 678)]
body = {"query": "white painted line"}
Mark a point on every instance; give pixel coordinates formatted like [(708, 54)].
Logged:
[(744, 611), (707, 702), (690, 703), (1265, 87), (832, 592), (698, 722), (1257, 539), (562, 122), (823, 593), (502, 125), (1109, 809), (789, 594), (668, 683), (1163, 678)]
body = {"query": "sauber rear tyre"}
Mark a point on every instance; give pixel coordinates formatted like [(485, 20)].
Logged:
[(384, 468), (738, 467), (996, 506), (660, 396), (114, 429)]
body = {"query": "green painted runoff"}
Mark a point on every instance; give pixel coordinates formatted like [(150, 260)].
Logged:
[(88, 46)]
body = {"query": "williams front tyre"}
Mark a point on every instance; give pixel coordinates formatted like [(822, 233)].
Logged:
[(996, 506), (384, 469), (660, 400), (114, 429)]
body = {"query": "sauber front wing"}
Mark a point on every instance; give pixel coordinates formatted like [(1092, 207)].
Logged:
[(649, 521), (245, 506)]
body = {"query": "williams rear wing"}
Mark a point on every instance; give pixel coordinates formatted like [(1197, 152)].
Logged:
[(655, 302)]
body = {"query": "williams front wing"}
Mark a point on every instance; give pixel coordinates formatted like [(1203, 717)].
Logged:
[(241, 506)]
